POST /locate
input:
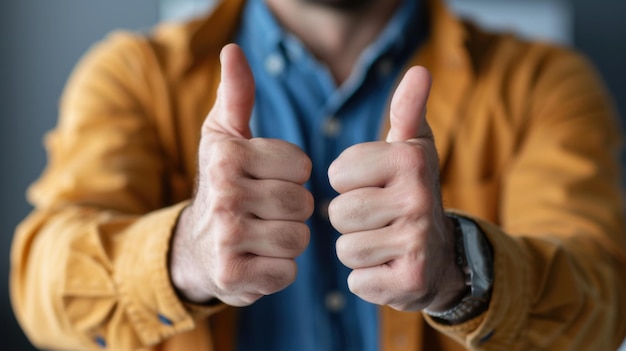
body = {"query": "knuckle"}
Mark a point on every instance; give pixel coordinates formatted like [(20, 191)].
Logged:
[(309, 204), (367, 290), (411, 158), (278, 279), (228, 275), (414, 199), (362, 254), (346, 210), (415, 203), (293, 238), (303, 166), (238, 298), (353, 286), (293, 199), (293, 159), (303, 233), (412, 282), (300, 164), (228, 238), (249, 298), (351, 253), (228, 154), (227, 197), (342, 248), (333, 211), (333, 172)]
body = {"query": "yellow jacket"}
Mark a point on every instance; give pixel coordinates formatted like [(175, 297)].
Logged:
[(528, 145)]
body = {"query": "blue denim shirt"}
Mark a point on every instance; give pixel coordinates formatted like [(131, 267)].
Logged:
[(297, 100)]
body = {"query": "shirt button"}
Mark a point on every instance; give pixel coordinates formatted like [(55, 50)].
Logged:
[(332, 127), (100, 342), (274, 64), (295, 51), (335, 301), (165, 320)]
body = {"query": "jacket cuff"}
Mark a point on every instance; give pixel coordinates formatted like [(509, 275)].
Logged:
[(499, 326), (142, 276)]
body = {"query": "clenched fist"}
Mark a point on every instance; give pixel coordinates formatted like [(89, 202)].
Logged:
[(396, 237), (238, 238)]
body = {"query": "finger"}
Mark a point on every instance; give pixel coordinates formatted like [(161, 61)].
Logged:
[(235, 96), (251, 277), (408, 106), (389, 284), (279, 239), (364, 209), (277, 159), (268, 275), (369, 249), (373, 164), (277, 200), (354, 168), (372, 283)]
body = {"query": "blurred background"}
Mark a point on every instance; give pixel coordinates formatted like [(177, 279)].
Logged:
[(40, 42)]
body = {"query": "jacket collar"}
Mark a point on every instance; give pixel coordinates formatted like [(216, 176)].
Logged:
[(447, 56), (204, 36)]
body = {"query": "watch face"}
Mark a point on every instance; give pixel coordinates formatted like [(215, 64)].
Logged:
[(479, 256)]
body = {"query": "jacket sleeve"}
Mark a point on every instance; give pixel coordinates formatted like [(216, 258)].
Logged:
[(560, 247), (89, 265)]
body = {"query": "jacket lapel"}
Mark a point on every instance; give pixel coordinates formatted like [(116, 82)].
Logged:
[(444, 54)]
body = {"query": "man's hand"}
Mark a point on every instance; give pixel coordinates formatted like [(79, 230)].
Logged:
[(397, 238), (238, 238)]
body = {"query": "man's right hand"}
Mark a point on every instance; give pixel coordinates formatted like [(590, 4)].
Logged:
[(238, 238)]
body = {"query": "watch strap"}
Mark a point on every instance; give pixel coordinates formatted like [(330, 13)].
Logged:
[(465, 310)]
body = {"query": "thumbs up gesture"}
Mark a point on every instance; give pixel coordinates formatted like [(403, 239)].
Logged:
[(396, 238), (238, 238)]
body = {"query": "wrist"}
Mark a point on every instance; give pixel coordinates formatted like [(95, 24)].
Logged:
[(182, 268), (475, 257), (452, 288)]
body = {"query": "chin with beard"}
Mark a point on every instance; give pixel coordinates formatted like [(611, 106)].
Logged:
[(344, 5)]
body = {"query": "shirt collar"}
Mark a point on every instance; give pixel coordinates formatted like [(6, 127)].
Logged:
[(270, 38), (406, 21), (260, 25)]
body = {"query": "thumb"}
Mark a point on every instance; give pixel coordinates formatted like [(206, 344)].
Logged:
[(408, 106), (235, 95)]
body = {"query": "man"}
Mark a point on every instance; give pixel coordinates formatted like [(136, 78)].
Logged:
[(527, 254)]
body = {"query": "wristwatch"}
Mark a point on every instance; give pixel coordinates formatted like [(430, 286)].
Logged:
[(475, 256)]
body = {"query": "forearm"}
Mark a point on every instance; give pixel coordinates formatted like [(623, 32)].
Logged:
[(549, 293), (82, 276)]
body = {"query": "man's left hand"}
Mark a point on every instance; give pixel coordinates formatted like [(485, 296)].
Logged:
[(396, 236)]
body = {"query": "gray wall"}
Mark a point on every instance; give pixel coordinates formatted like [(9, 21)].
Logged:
[(600, 33), (40, 41)]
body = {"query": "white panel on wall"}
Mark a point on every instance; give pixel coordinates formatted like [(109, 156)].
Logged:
[(549, 20), (178, 10)]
